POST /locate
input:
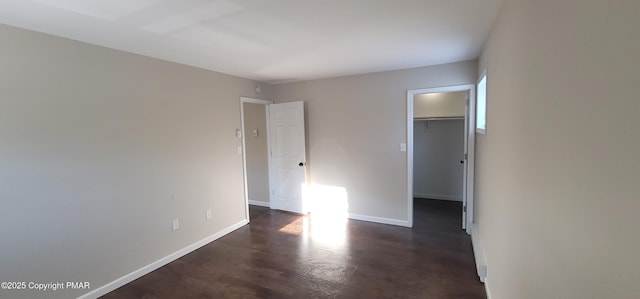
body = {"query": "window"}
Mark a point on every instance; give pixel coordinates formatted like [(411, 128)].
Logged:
[(481, 106)]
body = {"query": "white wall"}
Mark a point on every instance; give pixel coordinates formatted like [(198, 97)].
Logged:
[(355, 125), (557, 172), (438, 148), (100, 150), (440, 104), (255, 118)]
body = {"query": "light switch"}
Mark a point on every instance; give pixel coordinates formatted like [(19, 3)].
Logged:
[(255, 133), (238, 133), (175, 225), (403, 147)]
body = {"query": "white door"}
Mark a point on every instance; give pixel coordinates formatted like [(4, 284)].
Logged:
[(470, 158), (469, 161), (287, 157), (465, 161)]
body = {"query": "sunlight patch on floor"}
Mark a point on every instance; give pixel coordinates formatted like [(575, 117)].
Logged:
[(328, 213)]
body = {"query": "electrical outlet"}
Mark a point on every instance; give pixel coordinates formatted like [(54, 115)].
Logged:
[(208, 214), (175, 225)]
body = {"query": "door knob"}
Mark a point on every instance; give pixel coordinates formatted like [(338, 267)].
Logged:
[(461, 161), (301, 164)]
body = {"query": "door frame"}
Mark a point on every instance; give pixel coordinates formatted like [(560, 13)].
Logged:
[(266, 104), (469, 142)]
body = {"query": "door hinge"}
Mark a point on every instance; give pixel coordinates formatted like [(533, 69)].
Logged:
[(464, 209), (466, 156)]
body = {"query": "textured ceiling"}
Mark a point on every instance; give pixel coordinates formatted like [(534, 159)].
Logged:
[(272, 41)]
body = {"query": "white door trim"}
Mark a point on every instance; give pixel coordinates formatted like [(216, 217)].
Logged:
[(266, 103), (470, 142)]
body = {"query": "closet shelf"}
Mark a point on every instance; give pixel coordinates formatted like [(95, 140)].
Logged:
[(438, 118)]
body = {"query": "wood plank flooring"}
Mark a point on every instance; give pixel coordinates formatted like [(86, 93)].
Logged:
[(284, 255)]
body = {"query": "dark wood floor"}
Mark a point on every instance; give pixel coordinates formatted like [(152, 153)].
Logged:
[(284, 255)]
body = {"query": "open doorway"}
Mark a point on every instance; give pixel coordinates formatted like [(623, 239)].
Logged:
[(273, 154), (438, 145), (440, 134), (255, 151)]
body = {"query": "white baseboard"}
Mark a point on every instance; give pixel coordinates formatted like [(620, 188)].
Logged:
[(103, 290), (379, 220), (351, 216), (260, 203), (478, 254), (486, 289), (438, 196)]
